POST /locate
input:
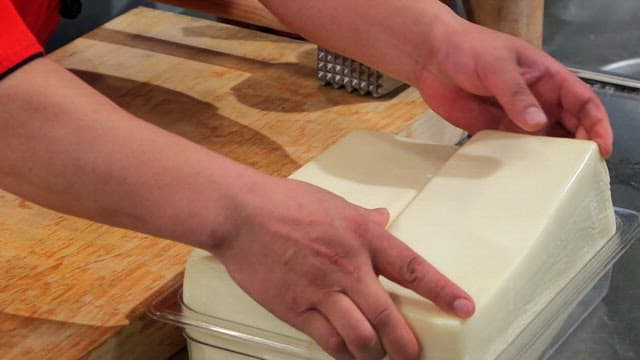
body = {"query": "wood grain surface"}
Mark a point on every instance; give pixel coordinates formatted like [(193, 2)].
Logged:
[(71, 288)]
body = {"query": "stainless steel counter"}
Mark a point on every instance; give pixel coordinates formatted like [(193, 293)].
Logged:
[(592, 34)]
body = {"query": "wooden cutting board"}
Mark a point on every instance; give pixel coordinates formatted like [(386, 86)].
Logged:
[(71, 288)]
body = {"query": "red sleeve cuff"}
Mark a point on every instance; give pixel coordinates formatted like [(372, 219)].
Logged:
[(17, 43)]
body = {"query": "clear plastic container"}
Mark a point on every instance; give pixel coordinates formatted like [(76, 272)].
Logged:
[(216, 338)]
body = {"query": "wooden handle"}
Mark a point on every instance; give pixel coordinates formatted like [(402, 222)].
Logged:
[(247, 11), (521, 18)]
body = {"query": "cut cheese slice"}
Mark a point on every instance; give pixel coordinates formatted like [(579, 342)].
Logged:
[(508, 217)]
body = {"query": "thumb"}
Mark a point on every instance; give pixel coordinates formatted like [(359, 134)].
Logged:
[(515, 97), (380, 216)]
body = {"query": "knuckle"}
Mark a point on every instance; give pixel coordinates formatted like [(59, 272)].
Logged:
[(295, 303), (360, 229), (416, 272), (533, 75), (583, 104), (383, 318), (341, 261), (413, 270), (363, 340), (439, 292), (334, 345), (520, 91), (336, 257), (359, 224), (353, 275)]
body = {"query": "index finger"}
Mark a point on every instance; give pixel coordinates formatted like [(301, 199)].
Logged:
[(397, 262), (583, 112)]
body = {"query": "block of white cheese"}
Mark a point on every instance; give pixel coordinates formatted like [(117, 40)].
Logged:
[(510, 218)]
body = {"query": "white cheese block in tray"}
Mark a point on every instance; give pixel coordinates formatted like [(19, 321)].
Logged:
[(510, 218)]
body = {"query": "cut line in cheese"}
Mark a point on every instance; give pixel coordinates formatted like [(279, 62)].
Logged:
[(510, 218), (376, 170)]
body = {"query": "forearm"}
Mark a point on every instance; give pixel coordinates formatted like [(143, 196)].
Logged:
[(67, 147), (362, 30)]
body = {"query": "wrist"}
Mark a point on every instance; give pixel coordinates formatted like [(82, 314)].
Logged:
[(232, 209), (434, 40)]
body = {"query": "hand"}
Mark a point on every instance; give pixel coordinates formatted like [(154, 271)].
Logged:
[(312, 259), (481, 79)]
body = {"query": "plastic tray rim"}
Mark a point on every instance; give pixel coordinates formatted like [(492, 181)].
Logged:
[(627, 231)]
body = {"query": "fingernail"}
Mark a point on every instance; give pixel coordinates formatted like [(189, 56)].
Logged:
[(463, 308), (535, 116)]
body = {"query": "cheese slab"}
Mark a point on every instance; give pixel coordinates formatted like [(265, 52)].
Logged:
[(508, 217)]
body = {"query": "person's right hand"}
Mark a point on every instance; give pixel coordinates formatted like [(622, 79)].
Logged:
[(313, 260)]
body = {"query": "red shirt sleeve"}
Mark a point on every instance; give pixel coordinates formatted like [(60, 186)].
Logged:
[(17, 43)]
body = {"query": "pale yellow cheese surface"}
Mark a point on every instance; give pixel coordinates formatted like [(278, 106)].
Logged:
[(376, 170), (509, 217)]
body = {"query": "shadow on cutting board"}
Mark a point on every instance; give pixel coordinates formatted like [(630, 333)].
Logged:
[(195, 120), (276, 87)]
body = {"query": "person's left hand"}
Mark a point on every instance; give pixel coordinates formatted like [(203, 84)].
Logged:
[(478, 79)]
